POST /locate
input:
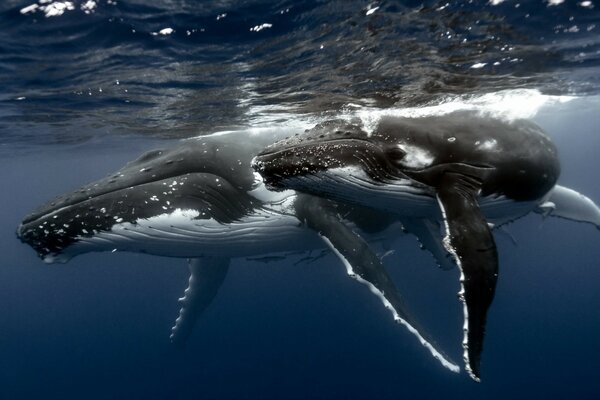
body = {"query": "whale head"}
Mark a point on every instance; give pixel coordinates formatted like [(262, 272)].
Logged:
[(185, 182)]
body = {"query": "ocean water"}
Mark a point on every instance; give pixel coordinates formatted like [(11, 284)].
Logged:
[(89, 85)]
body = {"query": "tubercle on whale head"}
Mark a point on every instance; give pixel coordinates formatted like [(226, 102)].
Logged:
[(46, 254), (275, 167), (29, 236)]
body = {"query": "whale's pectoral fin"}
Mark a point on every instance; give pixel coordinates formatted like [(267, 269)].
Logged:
[(428, 233), (206, 276), (567, 203), (469, 239), (362, 263)]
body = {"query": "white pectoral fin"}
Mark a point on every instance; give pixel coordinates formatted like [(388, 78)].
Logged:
[(567, 203), (206, 276), (363, 265)]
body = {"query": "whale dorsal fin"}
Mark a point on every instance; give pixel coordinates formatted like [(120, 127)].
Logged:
[(362, 264), (469, 239), (206, 276), (567, 203)]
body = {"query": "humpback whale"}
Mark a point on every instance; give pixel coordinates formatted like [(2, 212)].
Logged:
[(202, 200), (462, 173)]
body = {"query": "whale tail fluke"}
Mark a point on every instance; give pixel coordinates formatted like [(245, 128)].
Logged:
[(567, 203)]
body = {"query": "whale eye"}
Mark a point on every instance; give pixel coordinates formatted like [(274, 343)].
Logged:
[(394, 154)]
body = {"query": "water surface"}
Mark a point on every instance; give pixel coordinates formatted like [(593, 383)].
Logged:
[(89, 85)]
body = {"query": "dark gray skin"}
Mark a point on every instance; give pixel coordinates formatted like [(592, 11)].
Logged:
[(467, 156), (523, 166), (122, 193), (215, 178)]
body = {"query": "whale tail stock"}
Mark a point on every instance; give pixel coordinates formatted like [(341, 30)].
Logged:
[(566, 203)]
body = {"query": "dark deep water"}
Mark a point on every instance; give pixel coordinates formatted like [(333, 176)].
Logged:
[(85, 91)]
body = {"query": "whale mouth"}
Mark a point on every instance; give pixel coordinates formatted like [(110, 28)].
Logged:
[(96, 207), (53, 229)]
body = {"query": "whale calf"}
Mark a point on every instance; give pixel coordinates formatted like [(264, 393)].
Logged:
[(462, 171), (202, 200)]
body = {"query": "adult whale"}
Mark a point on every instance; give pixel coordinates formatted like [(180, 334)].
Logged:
[(202, 200), (463, 169)]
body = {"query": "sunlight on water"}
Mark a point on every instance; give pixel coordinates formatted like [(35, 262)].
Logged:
[(509, 104)]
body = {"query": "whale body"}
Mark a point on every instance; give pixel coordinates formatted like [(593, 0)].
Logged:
[(202, 200), (463, 171)]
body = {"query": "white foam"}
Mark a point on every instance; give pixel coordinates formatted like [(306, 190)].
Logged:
[(277, 131), (57, 8), (88, 7), (507, 105)]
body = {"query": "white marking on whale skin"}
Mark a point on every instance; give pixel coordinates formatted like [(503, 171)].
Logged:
[(180, 234), (416, 157), (260, 192), (478, 65), (371, 10), (437, 355), (29, 8), (489, 144), (260, 27)]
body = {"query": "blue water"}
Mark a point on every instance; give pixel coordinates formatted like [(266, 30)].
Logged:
[(85, 91)]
